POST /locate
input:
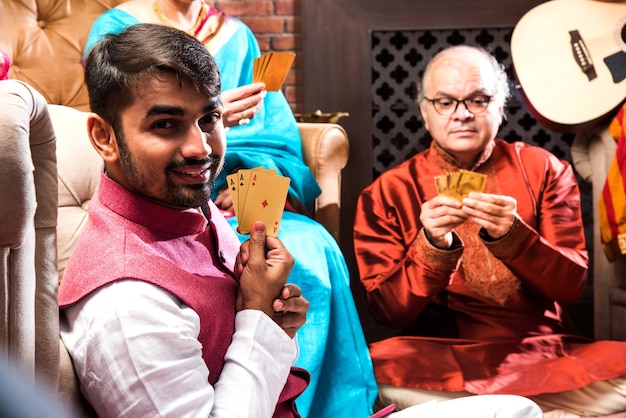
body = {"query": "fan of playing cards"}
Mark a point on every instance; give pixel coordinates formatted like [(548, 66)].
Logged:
[(459, 184), (258, 195), (272, 69)]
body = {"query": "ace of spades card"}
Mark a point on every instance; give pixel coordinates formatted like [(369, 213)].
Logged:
[(235, 182), (258, 195), (272, 68)]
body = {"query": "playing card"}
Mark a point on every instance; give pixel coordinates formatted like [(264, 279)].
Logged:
[(453, 179), (232, 181), (264, 201), (247, 177), (243, 182), (272, 68), (468, 182), (260, 66), (441, 183), (446, 184), (460, 184)]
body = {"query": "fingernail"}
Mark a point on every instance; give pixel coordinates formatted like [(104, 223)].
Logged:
[(263, 93), (258, 227)]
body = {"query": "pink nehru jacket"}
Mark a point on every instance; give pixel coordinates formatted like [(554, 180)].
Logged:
[(130, 238)]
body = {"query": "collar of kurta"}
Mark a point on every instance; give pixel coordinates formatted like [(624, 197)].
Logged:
[(447, 160), (149, 214)]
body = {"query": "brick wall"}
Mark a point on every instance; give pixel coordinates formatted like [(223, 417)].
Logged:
[(277, 27)]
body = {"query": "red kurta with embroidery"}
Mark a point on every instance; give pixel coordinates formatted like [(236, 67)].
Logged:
[(485, 316)]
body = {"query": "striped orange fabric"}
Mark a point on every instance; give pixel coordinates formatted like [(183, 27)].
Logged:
[(612, 205)]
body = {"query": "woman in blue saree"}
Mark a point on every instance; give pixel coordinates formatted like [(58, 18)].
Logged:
[(263, 132)]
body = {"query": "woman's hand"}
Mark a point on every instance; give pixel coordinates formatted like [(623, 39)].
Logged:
[(242, 104), (290, 309), (224, 200)]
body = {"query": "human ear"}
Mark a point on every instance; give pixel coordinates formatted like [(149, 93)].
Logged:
[(502, 115), (102, 137), (424, 115)]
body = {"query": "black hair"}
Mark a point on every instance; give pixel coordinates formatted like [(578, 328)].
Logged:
[(117, 66)]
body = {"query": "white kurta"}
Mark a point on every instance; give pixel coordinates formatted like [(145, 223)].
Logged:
[(136, 352)]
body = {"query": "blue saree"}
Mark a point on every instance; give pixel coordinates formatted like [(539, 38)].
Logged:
[(332, 345)]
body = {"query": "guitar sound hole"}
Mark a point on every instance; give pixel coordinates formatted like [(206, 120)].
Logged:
[(623, 34)]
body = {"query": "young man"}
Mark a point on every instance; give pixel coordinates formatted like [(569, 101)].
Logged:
[(162, 312), (477, 283)]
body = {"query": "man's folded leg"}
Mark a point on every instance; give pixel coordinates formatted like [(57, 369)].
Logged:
[(476, 406)]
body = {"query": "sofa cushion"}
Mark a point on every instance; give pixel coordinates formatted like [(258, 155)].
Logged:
[(79, 167), (45, 42)]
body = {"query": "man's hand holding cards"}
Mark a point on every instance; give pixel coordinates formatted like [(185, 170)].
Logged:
[(258, 195), (459, 184)]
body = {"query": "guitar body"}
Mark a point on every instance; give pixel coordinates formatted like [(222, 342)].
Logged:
[(569, 57)]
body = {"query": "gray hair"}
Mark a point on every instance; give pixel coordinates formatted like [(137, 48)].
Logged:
[(503, 91)]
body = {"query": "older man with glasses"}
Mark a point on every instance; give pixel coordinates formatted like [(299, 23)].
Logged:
[(476, 279)]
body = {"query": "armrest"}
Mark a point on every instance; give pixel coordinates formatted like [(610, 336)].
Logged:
[(79, 167), (29, 327), (325, 147)]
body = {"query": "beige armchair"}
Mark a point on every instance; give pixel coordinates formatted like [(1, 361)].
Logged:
[(44, 192), (28, 203)]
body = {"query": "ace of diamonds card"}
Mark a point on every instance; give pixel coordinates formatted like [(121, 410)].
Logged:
[(258, 195)]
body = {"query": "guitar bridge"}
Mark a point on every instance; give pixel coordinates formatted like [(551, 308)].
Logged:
[(581, 55)]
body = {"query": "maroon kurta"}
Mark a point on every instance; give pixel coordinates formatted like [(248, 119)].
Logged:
[(485, 316)]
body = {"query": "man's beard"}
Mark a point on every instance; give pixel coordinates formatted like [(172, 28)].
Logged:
[(177, 195), (190, 195)]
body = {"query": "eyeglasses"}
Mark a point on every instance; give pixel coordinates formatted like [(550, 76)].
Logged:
[(446, 106)]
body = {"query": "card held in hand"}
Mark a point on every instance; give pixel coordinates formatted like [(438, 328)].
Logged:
[(264, 200), (459, 184), (272, 68), (469, 182), (238, 184), (232, 181)]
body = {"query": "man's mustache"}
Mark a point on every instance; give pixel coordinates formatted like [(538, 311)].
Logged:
[(193, 162)]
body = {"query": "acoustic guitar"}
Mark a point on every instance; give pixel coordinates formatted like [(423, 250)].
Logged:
[(570, 61)]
